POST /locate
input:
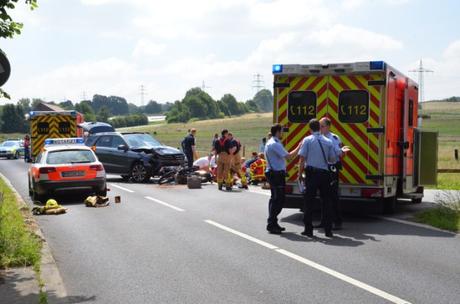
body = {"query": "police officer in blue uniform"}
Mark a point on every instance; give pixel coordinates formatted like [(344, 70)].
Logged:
[(325, 125), (316, 154), (276, 156)]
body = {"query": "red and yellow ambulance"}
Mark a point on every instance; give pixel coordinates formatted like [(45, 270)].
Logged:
[(374, 109)]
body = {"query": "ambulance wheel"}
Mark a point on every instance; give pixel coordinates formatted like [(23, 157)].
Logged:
[(139, 173), (389, 205), (416, 200)]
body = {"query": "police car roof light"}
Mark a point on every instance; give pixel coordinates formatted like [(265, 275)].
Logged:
[(377, 65), (277, 68), (64, 141)]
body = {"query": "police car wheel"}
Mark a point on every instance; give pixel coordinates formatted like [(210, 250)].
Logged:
[(16, 155), (139, 173)]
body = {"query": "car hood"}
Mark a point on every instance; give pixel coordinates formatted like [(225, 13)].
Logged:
[(7, 149), (161, 150)]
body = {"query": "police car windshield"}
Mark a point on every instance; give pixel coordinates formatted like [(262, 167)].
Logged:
[(141, 140), (9, 144), (70, 157)]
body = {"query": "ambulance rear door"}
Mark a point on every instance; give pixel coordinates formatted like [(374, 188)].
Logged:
[(297, 100), (355, 105)]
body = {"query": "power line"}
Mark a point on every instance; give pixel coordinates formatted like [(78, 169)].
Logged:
[(421, 80), (258, 82)]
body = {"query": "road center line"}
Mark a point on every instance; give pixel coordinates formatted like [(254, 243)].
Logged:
[(314, 265), (122, 188), (164, 203)]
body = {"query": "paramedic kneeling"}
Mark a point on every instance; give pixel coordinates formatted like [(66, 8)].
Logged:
[(276, 156), (316, 154)]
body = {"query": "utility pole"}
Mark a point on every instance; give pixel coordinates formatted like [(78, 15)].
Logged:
[(421, 81), (203, 86), (142, 93), (258, 82)]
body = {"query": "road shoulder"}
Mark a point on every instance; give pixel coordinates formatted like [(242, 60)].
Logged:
[(21, 278)]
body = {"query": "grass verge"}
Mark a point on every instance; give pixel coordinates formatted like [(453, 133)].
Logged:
[(446, 215), (19, 246)]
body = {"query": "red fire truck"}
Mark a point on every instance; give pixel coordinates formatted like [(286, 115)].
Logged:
[(373, 108)]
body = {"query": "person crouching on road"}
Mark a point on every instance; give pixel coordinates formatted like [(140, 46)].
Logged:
[(223, 160), (276, 156), (316, 154), (325, 125), (236, 163)]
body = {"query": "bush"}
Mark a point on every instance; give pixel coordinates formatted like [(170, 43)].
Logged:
[(129, 121)]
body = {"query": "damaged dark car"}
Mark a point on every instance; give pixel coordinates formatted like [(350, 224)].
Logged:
[(135, 156)]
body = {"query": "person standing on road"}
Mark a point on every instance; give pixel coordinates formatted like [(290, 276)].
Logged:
[(276, 156), (325, 125), (223, 160), (189, 147), (236, 162), (316, 154), (27, 148)]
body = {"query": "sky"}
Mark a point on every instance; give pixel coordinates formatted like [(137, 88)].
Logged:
[(70, 49)]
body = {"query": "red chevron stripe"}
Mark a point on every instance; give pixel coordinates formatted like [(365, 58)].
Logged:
[(352, 172), (315, 83), (359, 133), (357, 83)]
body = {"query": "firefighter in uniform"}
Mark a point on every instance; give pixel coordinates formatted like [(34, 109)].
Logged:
[(325, 125), (223, 160), (236, 163), (316, 154), (276, 156)]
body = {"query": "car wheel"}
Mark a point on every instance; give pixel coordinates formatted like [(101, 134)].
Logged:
[(416, 200), (16, 155), (139, 173), (102, 193), (8, 157)]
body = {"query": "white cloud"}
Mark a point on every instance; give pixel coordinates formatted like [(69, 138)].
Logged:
[(148, 48)]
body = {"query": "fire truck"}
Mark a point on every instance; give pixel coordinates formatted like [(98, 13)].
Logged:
[(374, 110), (52, 124)]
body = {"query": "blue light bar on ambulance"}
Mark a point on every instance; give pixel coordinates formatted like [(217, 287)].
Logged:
[(277, 68), (64, 141), (377, 65)]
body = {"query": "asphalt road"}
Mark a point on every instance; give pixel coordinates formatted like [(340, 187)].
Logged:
[(170, 244)]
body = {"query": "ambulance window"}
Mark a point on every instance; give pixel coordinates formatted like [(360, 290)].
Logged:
[(43, 128), (301, 106), (354, 106), (411, 113), (64, 127), (104, 141)]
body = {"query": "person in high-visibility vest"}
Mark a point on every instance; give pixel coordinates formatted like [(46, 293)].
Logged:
[(257, 169), (223, 160), (236, 162)]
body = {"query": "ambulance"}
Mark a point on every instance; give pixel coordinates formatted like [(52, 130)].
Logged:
[(52, 124), (374, 110)]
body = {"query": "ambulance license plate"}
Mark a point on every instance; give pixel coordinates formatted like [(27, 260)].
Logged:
[(73, 173)]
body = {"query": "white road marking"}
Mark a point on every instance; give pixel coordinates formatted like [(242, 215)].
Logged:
[(122, 188), (243, 235), (338, 275), (164, 203), (263, 192)]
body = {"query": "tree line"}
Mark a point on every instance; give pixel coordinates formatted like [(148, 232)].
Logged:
[(197, 104)]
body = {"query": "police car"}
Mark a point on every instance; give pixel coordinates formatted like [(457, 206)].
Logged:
[(66, 165)]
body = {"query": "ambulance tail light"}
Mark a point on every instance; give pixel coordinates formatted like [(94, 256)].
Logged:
[(46, 170), (96, 167), (372, 192)]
